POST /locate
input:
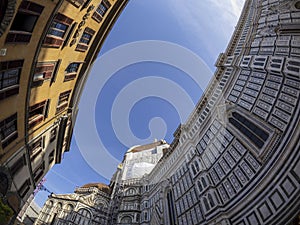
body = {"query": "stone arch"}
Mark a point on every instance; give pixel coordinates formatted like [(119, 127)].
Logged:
[(101, 203), (68, 207), (58, 205), (126, 219), (85, 212), (131, 191)]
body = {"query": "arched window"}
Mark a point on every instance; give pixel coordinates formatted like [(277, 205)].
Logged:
[(206, 204), (85, 213), (203, 182), (59, 205), (208, 179), (193, 169), (126, 219), (199, 186), (83, 217), (50, 203), (67, 211), (197, 166), (69, 207), (49, 206), (211, 201), (100, 205), (130, 191), (171, 208)]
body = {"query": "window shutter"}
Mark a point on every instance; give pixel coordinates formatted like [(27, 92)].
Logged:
[(97, 17), (53, 42), (63, 19), (107, 3), (89, 31), (30, 6), (46, 110), (55, 71)]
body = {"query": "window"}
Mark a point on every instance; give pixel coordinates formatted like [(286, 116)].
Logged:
[(85, 39), (257, 135), (171, 209), (77, 3), (194, 169), (203, 181), (24, 188), (206, 204), (18, 165), (63, 101), (57, 31), (38, 173), (199, 186), (197, 166), (69, 207), (199, 149), (211, 201), (36, 148), (24, 22), (53, 134), (37, 113), (59, 205), (126, 220), (83, 217), (9, 77), (43, 71), (130, 191), (101, 10), (8, 130), (51, 157), (53, 219), (71, 71)]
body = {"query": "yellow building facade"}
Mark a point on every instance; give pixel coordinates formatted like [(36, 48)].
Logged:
[(46, 50)]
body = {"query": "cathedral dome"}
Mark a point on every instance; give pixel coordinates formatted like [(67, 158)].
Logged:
[(102, 187)]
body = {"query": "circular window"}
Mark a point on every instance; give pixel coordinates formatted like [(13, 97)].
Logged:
[(297, 5)]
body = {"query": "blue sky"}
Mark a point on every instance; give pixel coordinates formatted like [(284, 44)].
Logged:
[(146, 99)]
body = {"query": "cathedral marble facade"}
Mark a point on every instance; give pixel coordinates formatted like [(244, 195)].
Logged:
[(88, 204), (237, 158)]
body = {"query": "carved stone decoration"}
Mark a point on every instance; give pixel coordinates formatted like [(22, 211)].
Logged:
[(268, 31), (285, 6)]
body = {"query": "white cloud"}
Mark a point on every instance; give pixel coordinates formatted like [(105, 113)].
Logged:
[(210, 21)]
